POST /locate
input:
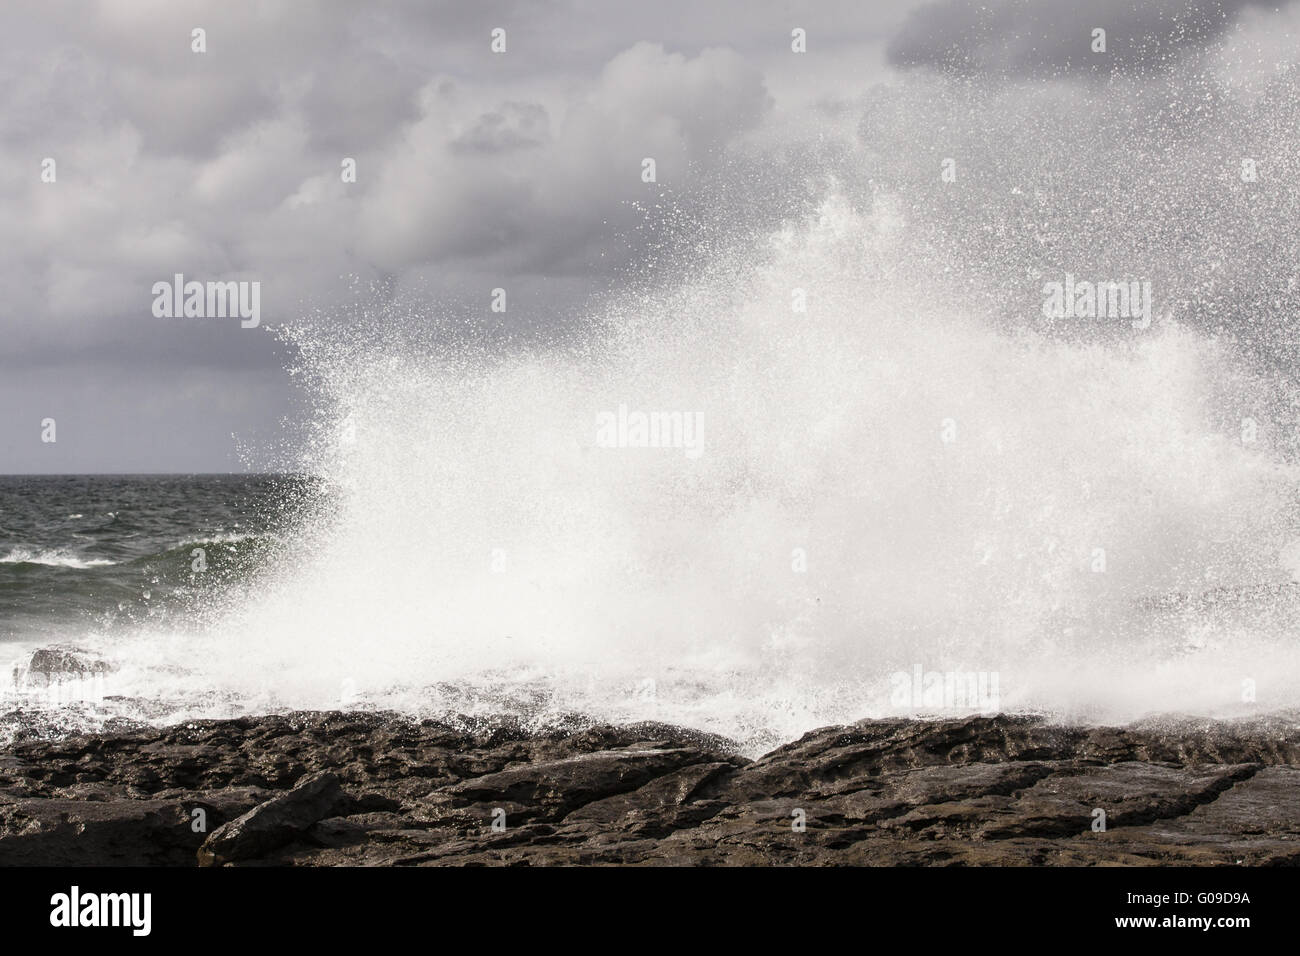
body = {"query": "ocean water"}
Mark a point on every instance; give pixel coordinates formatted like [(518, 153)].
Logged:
[(86, 552), (88, 560), (914, 482)]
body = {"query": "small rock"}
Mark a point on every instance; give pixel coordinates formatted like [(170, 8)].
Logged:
[(276, 822), (61, 662)]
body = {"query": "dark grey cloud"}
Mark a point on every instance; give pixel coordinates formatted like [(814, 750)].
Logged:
[(1055, 37), (364, 97), (513, 126)]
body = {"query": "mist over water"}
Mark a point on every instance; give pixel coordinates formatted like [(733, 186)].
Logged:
[(918, 471)]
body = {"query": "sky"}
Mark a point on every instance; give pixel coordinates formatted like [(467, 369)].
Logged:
[(475, 169)]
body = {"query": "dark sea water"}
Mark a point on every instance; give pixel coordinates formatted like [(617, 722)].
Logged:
[(92, 554)]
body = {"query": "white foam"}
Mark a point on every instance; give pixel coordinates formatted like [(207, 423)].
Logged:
[(54, 558), (481, 552)]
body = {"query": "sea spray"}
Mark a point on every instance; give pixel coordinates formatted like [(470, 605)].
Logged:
[(482, 552), (904, 464)]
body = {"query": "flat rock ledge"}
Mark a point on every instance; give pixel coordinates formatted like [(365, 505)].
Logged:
[(323, 789)]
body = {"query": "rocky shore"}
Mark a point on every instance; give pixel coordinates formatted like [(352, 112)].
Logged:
[(323, 789)]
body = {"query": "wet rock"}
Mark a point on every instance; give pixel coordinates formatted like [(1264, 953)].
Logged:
[(549, 789), (56, 663), (112, 828), (379, 789), (278, 821)]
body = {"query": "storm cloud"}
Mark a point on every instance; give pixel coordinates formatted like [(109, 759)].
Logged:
[(474, 169)]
